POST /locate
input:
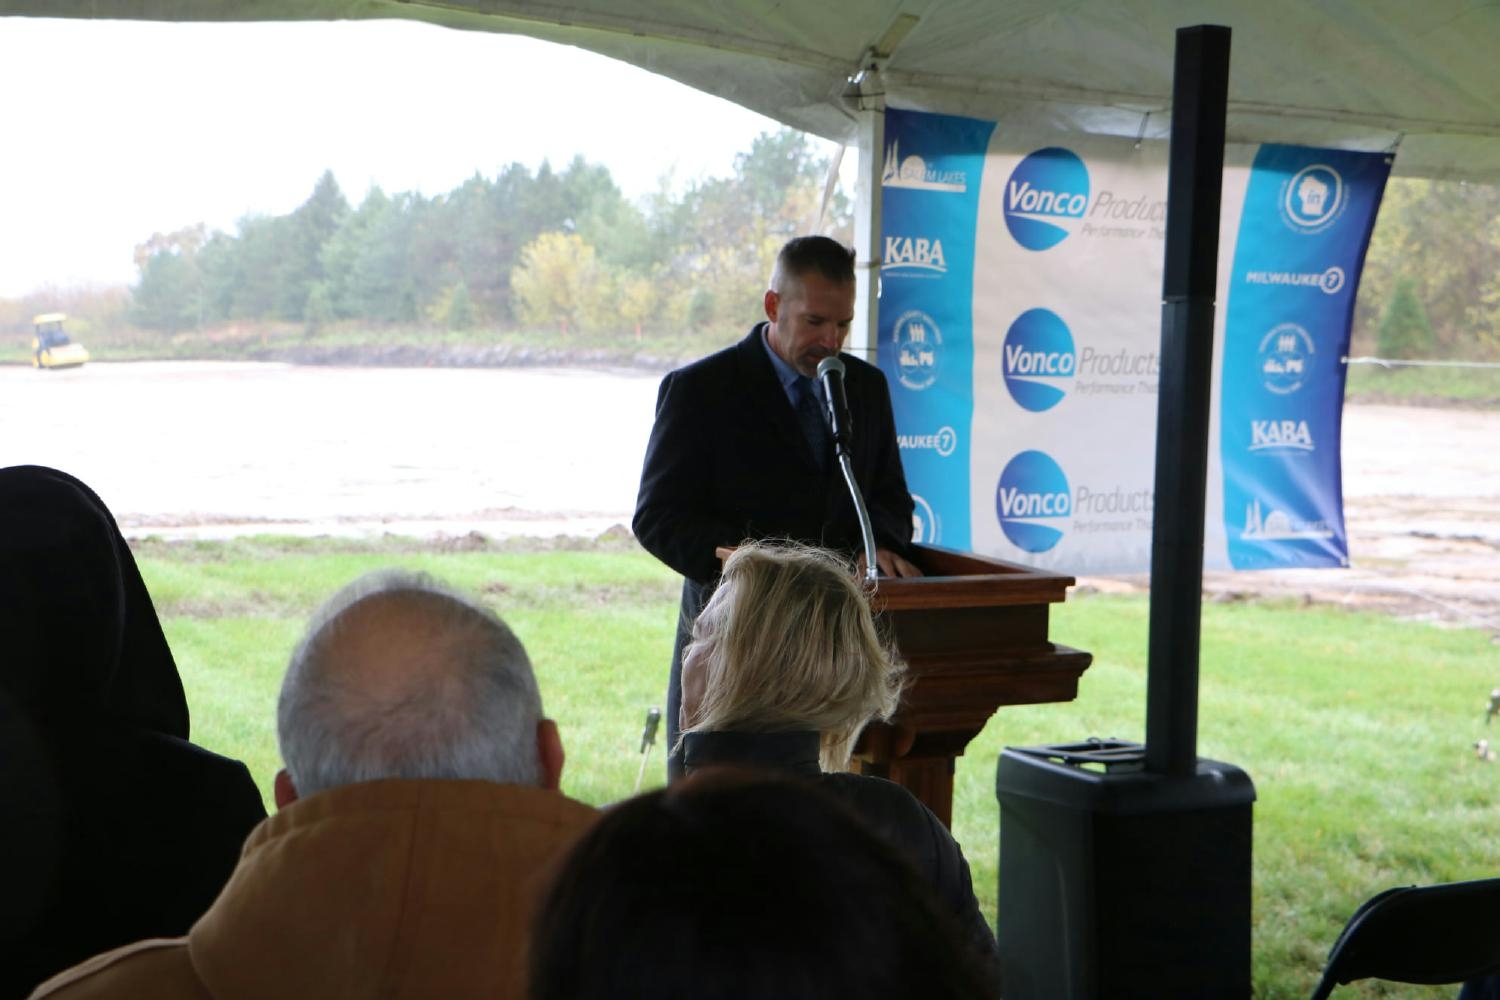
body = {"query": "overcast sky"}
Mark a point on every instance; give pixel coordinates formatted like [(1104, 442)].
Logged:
[(114, 130)]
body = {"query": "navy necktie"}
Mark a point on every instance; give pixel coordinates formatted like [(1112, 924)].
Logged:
[(813, 420)]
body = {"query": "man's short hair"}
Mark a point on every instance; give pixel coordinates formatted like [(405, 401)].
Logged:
[(812, 254), (470, 711)]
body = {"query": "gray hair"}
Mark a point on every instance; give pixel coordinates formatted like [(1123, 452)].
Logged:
[(475, 716)]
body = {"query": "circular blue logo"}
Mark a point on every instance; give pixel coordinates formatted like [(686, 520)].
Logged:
[(1040, 360), (926, 528), (1286, 355), (1046, 195), (1314, 198), (1033, 501), (919, 342)]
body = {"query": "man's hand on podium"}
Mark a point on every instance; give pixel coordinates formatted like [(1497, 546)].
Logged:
[(890, 564)]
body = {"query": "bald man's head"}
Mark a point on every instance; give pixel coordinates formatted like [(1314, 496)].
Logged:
[(398, 677)]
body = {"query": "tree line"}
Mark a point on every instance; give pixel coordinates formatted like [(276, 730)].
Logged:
[(561, 250), (1431, 281), (564, 250)]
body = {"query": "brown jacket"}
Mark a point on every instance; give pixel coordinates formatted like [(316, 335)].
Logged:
[(389, 888)]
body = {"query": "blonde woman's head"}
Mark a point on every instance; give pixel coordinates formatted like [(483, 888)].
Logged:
[(787, 643)]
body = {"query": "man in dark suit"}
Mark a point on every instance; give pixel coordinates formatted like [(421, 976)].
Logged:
[(741, 447)]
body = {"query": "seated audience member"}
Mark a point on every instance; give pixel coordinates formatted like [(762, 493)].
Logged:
[(417, 813), (116, 828), (739, 885), (1485, 988), (784, 670)]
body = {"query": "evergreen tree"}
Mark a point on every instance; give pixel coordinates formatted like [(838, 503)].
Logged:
[(219, 266), (167, 297), (460, 312), (319, 309), (264, 243), (1404, 331), (309, 228), (169, 294)]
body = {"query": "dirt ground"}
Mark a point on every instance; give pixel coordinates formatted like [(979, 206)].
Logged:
[(215, 449), (1422, 504)]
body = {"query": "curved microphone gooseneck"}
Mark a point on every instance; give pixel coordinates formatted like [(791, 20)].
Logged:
[(831, 374)]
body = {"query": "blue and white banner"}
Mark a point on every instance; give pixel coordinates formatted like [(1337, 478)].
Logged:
[(1019, 325), (1303, 233), (933, 165)]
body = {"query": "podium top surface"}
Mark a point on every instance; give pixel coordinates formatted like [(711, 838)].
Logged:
[(955, 579), (962, 579)]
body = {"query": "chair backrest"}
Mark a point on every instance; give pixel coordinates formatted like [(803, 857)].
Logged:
[(1431, 934)]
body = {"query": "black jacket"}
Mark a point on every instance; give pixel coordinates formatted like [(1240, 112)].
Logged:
[(890, 811), (116, 828), (727, 461)]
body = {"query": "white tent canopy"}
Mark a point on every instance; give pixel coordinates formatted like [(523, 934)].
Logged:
[(1420, 78)]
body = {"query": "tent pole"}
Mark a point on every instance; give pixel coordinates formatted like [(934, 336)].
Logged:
[(871, 118)]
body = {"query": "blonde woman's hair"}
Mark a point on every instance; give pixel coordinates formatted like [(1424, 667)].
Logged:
[(790, 645)]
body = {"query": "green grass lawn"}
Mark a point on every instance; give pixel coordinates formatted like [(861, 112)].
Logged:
[(1472, 387), (1356, 729)]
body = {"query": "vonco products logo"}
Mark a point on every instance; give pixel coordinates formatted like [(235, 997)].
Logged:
[(1033, 501), (914, 253), (926, 529), (1285, 356), (914, 172), (944, 441), (1280, 436), (1330, 282), (1313, 199), (1046, 196), (1040, 360), (919, 342)]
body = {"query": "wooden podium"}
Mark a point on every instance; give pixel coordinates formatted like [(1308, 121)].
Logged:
[(973, 632)]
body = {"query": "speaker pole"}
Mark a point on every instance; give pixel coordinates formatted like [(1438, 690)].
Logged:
[(1200, 90)]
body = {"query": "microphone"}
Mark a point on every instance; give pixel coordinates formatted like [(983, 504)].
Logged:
[(831, 374), (648, 736), (648, 740)]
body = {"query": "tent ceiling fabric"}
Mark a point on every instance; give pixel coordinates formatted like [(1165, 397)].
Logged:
[(1421, 77)]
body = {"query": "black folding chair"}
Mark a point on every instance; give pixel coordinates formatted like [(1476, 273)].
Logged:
[(1430, 934)]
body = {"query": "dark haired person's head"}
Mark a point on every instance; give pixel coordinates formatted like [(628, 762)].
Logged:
[(82, 644), (810, 304), (116, 828), (820, 255), (738, 886)]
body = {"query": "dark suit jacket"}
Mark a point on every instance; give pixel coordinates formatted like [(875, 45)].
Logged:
[(110, 837), (727, 461), (884, 807)]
